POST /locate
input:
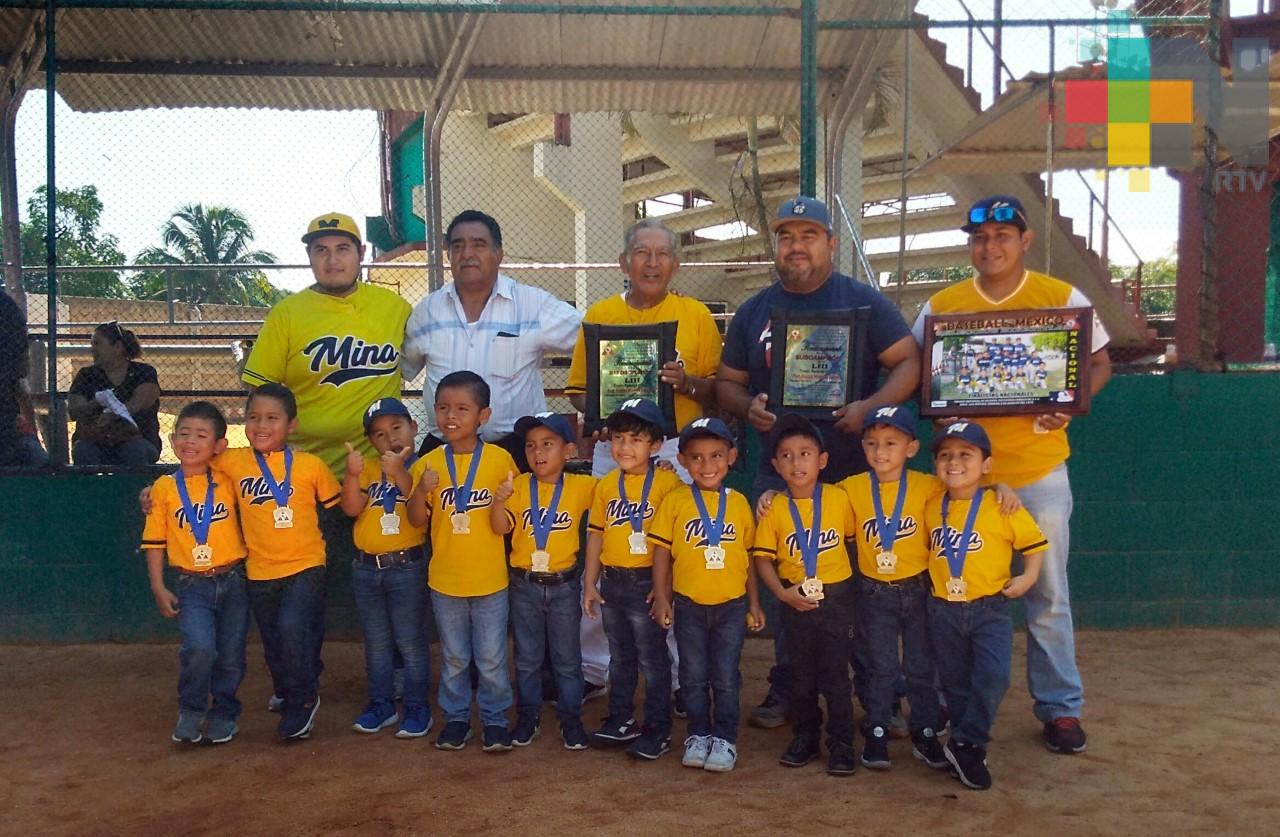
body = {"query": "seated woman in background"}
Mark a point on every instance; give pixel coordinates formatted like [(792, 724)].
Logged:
[(104, 392)]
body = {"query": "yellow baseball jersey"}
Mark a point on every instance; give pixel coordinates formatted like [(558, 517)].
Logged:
[(167, 526), (566, 531), (367, 531), (679, 527), (474, 564), (609, 514), (912, 543), (776, 536), (698, 341), (1020, 456), (338, 355), (991, 544), (278, 553)]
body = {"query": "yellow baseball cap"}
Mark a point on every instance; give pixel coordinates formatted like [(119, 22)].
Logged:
[(332, 223)]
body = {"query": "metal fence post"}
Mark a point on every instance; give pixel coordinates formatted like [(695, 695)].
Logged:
[(57, 455), (809, 98)]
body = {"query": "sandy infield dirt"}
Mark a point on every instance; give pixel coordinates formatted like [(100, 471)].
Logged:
[(1182, 740)]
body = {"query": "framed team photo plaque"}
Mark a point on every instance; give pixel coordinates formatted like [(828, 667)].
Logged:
[(817, 360), (1007, 362), (623, 362)]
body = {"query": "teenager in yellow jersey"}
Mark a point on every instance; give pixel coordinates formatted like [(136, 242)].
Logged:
[(971, 552), (1030, 453), (389, 571), (702, 538), (335, 344), (191, 520), (468, 570), (545, 512), (802, 559)]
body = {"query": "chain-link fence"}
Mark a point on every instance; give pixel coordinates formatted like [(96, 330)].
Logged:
[(192, 143)]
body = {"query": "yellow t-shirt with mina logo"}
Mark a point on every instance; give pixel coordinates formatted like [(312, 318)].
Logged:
[(609, 514), (698, 341), (776, 536), (566, 531), (167, 526), (474, 564), (679, 527), (338, 355), (367, 531), (912, 543), (991, 544)]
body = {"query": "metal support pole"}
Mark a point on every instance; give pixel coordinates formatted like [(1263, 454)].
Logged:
[(809, 97), (1048, 145), (57, 455), (1106, 218), (168, 294), (997, 49), (906, 162), (1207, 351)]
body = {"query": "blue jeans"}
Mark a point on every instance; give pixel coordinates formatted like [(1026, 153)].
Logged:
[(973, 650), (473, 628), (136, 451), (1052, 676), (637, 645), (290, 616), (547, 618), (819, 643), (886, 612), (392, 604), (213, 616), (710, 640)]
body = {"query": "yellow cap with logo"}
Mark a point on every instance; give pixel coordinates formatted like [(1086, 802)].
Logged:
[(332, 223)]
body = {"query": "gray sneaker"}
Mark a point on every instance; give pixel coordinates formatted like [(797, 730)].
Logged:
[(220, 730), (770, 714), (188, 729)]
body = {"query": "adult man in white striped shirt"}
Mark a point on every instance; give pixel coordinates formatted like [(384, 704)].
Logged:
[(488, 323)]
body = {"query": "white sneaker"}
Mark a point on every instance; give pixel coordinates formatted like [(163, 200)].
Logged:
[(723, 756), (696, 749)]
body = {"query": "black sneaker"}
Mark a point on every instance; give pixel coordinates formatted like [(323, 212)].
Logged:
[(650, 745), (454, 736), (591, 691), (770, 714), (526, 729), (574, 736), (841, 760), (497, 739), (296, 720), (802, 750), (926, 747), (678, 708), (1065, 735), (875, 753), (615, 732), (969, 763)]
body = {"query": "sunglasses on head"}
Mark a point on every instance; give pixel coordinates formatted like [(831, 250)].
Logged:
[(1003, 214)]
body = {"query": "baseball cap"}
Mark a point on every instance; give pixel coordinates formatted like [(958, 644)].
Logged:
[(1002, 209), (899, 417), (802, 209), (384, 407), (640, 408), (332, 223), (794, 424), (706, 428), (966, 431), (554, 422)]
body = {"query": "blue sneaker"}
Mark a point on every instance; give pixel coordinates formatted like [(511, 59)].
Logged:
[(377, 716), (297, 719), (188, 728), (220, 730), (416, 723)]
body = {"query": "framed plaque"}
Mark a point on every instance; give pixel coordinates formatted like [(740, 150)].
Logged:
[(623, 362), (817, 360), (1006, 362)]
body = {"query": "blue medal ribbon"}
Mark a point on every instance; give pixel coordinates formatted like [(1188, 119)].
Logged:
[(956, 557), (279, 490), (809, 542), (462, 495), (637, 519), (391, 491), (887, 527), (713, 528), (543, 524), (199, 528)]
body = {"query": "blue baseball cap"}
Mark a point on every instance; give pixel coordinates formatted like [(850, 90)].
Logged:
[(1001, 209), (706, 428), (554, 422), (384, 407), (794, 424), (966, 431), (641, 408), (802, 208), (899, 417)]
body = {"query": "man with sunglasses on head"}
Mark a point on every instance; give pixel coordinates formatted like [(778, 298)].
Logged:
[(1030, 452)]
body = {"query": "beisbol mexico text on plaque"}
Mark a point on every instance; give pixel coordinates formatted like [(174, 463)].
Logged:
[(623, 362), (817, 360)]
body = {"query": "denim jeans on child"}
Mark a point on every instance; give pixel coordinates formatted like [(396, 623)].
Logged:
[(473, 629), (885, 612), (710, 640), (213, 616), (547, 618), (818, 645), (972, 649), (392, 604), (290, 616), (636, 646)]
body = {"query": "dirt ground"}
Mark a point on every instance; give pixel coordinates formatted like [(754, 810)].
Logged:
[(1182, 740)]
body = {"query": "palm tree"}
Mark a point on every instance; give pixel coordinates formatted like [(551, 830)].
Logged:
[(196, 234)]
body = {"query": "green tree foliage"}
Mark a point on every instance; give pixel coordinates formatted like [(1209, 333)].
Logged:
[(81, 243), (1156, 301)]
